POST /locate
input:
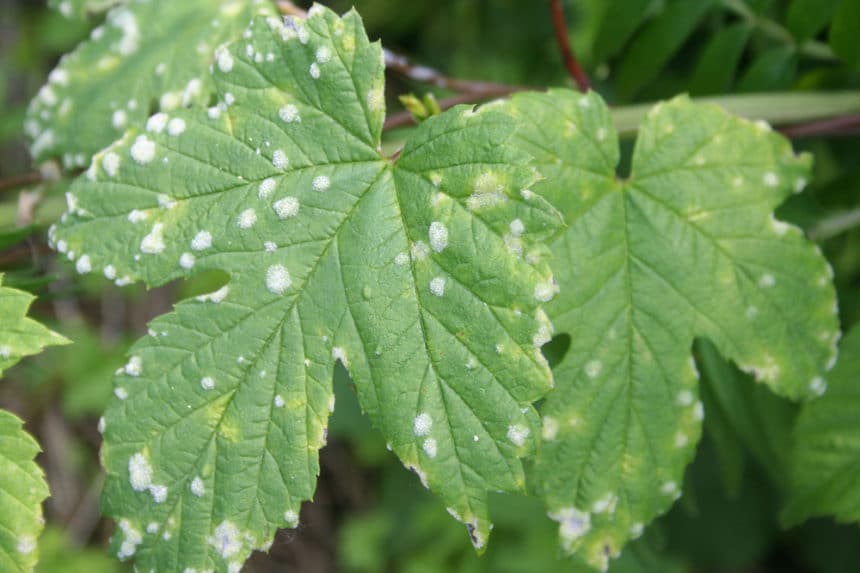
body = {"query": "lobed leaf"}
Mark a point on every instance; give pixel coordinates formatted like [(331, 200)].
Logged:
[(22, 490), (826, 454), (423, 276), (154, 52), (686, 247)]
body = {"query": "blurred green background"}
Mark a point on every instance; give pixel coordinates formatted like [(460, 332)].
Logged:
[(370, 515)]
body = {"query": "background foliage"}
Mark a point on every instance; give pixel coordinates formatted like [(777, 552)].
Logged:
[(368, 514)]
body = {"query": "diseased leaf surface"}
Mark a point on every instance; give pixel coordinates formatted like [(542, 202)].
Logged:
[(20, 336), (81, 8), (22, 490), (686, 247), (826, 458), (422, 276), (155, 52)]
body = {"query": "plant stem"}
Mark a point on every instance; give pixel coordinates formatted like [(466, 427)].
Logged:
[(16, 181), (835, 225), (571, 63)]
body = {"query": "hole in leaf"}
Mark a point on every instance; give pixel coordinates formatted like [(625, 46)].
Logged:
[(556, 349), (204, 282)]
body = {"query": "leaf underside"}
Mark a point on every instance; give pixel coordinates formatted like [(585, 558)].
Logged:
[(424, 277), (22, 490), (826, 455), (686, 247), (154, 52)]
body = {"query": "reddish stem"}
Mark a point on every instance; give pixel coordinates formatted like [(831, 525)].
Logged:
[(571, 63)]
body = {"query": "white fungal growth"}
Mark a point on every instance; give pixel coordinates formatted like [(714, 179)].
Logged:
[(314, 70), (280, 160), (153, 243), (201, 241), (429, 447), (197, 487), (187, 260), (401, 259), (767, 280), (278, 279), (799, 185), (685, 398), (698, 412), (422, 424), (517, 434), (159, 493), (321, 183), (119, 119), (292, 518), (681, 440), (84, 265), (176, 127), (286, 207), (770, 179), (549, 431), (165, 201), (289, 114), (131, 539), (323, 54), (605, 504), (517, 227), (818, 386), (26, 544), (279, 401), (120, 393), (102, 425), (437, 286), (152, 528), (143, 150), (136, 215), (593, 368), (139, 472), (226, 539), (225, 60), (207, 383), (156, 123), (636, 530), (338, 353), (266, 187), (545, 291), (438, 236), (573, 523), (270, 246), (669, 488), (247, 219), (134, 366), (419, 250)]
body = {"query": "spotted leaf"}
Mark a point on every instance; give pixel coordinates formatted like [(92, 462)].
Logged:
[(687, 246), (148, 55), (80, 8), (22, 490), (422, 275), (826, 451)]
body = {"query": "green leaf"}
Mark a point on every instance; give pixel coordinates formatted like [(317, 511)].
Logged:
[(773, 69), (718, 63), (621, 19), (22, 490), (81, 8), (59, 554), (843, 32), (686, 247), (212, 442), (153, 52), (826, 454), (20, 336), (806, 18), (657, 42)]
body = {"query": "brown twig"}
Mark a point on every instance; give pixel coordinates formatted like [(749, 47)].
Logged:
[(16, 181), (570, 61), (842, 125)]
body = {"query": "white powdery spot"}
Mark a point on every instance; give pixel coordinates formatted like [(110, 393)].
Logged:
[(134, 366), (279, 401), (770, 179), (247, 219), (549, 431), (314, 71), (429, 447), (131, 539), (157, 122), (339, 353), (685, 398), (26, 544), (152, 528), (517, 434), (121, 393), (286, 207), (323, 54), (278, 279), (292, 518), (139, 472), (438, 236), (165, 201), (437, 286), (119, 119), (280, 160), (197, 487), (143, 150), (102, 425), (681, 440), (321, 183), (669, 488), (799, 185), (573, 523), (605, 504), (593, 368), (187, 260), (818, 386), (545, 291), (159, 493), (225, 60), (153, 243), (217, 296), (636, 530), (137, 216), (226, 539), (766, 280), (84, 265), (401, 259), (270, 246), (419, 250), (422, 424), (267, 186), (289, 114), (699, 412), (201, 241), (176, 127), (517, 228), (207, 383)]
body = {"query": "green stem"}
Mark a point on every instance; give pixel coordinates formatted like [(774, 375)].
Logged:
[(778, 109), (835, 225)]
